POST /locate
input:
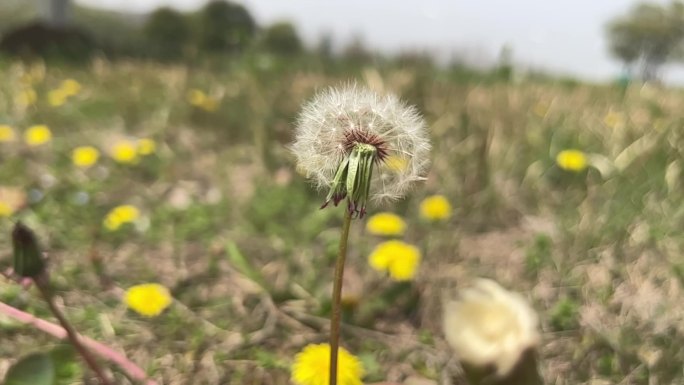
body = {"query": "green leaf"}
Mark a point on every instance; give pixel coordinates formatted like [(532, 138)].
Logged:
[(243, 266), (34, 369), (67, 367)]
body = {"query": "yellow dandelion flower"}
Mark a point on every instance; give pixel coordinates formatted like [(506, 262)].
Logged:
[(5, 210), (435, 208), (121, 215), (613, 119), (57, 97), (312, 366), (210, 104), (70, 87), (146, 146), (196, 97), (399, 259), (572, 160), (396, 163), (37, 135), (85, 156), (386, 224), (148, 299), (125, 152), (26, 97), (7, 134), (541, 109)]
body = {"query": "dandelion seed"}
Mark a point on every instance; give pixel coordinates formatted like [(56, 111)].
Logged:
[(148, 299), (7, 134), (120, 216), (312, 367), (344, 138), (85, 156), (37, 135), (572, 160), (399, 259), (435, 208), (386, 224), (125, 152), (489, 325)]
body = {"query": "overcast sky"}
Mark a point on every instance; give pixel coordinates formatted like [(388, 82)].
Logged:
[(563, 36)]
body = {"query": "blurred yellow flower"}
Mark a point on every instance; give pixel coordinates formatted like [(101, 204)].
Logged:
[(85, 156), (37, 135), (146, 146), (148, 299), (572, 160), (5, 210), (312, 366), (201, 100), (396, 163), (57, 97), (26, 97), (386, 224), (541, 109), (121, 215), (400, 259), (125, 152), (613, 119), (7, 134), (70, 87), (435, 208)]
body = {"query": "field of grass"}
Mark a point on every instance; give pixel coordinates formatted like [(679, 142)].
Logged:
[(236, 234)]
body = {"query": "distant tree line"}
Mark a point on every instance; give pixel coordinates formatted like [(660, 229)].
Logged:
[(648, 37), (219, 28)]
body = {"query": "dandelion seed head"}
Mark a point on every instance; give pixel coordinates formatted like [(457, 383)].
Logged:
[(336, 119)]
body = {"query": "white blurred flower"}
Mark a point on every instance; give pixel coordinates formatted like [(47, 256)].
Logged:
[(489, 325), (339, 122)]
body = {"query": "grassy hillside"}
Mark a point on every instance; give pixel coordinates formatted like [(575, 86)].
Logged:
[(236, 234)]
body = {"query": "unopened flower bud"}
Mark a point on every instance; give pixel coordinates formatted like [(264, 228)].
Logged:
[(28, 260)]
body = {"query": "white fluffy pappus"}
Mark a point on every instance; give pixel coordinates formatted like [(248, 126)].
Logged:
[(336, 116), (488, 325)]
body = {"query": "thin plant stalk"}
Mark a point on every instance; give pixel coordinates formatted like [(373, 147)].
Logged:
[(337, 297), (44, 287)]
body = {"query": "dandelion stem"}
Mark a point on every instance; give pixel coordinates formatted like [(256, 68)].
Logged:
[(336, 297), (44, 286)]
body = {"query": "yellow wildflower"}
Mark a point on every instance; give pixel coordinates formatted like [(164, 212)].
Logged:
[(57, 97), (146, 146), (396, 257), (613, 119), (85, 156), (26, 97), (37, 135), (148, 299), (396, 163), (196, 97), (312, 366), (572, 160), (386, 224), (125, 152), (121, 215), (435, 208), (201, 100), (7, 134), (70, 87), (5, 210)]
